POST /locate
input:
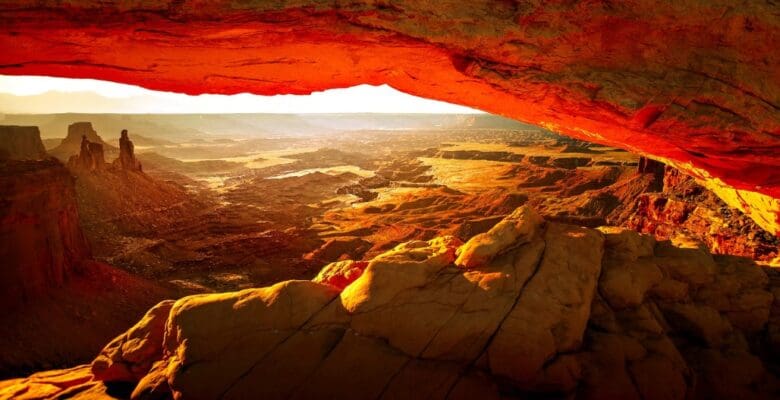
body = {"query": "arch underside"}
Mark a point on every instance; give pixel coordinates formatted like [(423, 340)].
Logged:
[(694, 85)]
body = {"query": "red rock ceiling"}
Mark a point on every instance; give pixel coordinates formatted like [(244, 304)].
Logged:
[(693, 83)]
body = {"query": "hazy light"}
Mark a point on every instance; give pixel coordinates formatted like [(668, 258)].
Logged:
[(39, 95)]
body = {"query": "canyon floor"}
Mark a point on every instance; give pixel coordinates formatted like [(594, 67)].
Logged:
[(226, 213), (203, 214), (215, 213)]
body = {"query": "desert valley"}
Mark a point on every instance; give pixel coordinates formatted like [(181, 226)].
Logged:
[(368, 199), (186, 204)]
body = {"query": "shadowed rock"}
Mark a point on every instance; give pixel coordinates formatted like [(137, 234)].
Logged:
[(41, 242), (127, 159), (90, 157)]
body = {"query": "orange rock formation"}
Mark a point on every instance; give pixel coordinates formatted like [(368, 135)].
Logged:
[(693, 84), (42, 241), (543, 308)]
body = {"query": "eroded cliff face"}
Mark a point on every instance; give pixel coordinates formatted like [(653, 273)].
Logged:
[(694, 84), (21, 143), (73, 144), (41, 242), (528, 308)]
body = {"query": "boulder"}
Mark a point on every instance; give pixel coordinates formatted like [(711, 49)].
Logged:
[(514, 230), (130, 356), (564, 311), (553, 309), (340, 273)]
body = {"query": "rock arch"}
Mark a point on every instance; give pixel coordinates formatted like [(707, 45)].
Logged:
[(694, 84)]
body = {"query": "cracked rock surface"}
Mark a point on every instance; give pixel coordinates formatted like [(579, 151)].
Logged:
[(564, 312)]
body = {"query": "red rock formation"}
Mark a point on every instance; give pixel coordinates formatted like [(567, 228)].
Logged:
[(90, 157), (127, 160), (21, 143), (41, 242), (684, 209), (74, 141), (694, 84)]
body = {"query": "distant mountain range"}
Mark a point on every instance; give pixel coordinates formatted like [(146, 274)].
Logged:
[(177, 127)]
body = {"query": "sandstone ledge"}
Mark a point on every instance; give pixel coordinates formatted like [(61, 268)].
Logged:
[(564, 311)]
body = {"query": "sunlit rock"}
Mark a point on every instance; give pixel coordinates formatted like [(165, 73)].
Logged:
[(699, 95), (516, 229), (563, 311)]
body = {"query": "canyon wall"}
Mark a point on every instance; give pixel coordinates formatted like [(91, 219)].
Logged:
[(693, 84), (21, 143), (41, 242)]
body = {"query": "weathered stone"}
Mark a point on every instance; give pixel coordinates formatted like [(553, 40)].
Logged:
[(693, 93), (127, 160), (212, 340), (702, 322), (624, 284), (514, 230), (562, 312), (553, 309), (130, 355), (341, 273)]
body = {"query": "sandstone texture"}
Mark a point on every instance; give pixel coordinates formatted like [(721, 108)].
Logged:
[(693, 84), (21, 143), (562, 312)]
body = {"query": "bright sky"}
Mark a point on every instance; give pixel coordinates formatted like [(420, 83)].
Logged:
[(58, 95)]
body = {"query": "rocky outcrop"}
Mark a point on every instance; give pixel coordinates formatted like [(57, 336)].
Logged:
[(90, 157), (657, 169), (679, 208), (698, 91), (73, 143), (127, 160), (548, 310), (21, 143), (41, 242)]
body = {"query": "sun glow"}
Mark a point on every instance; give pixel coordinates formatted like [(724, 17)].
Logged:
[(39, 94)]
